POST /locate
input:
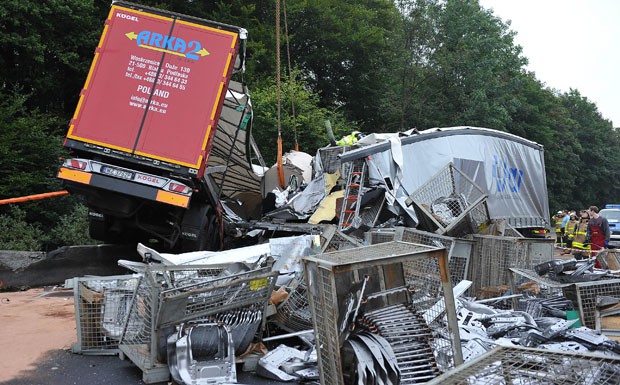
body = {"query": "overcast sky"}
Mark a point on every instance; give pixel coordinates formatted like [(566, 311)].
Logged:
[(570, 44)]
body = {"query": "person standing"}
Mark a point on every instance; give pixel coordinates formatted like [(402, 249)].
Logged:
[(559, 217), (565, 221), (569, 232), (580, 242), (598, 230)]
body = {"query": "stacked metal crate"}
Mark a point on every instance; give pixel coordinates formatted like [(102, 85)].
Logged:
[(450, 203), (102, 306), (492, 256), (389, 268), (167, 296), (459, 249), (582, 294)]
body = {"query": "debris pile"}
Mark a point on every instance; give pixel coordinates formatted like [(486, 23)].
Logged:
[(362, 271), (195, 317)]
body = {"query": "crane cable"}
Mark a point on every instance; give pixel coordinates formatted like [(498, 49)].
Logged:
[(290, 76), (280, 165)]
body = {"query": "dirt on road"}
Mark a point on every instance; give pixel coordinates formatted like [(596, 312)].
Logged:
[(34, 322)]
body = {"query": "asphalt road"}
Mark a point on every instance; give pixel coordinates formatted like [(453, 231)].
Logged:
[(61, 367)]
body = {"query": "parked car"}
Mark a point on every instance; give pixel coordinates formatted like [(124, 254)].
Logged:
[(612, 213)]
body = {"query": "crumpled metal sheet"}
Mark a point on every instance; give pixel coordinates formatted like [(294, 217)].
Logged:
[(202, 354), (283, 362)]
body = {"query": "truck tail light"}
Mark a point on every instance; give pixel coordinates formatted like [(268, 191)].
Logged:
[(178, 188), (78, 164)]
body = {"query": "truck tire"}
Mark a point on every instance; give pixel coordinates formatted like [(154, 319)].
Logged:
[(212, 234)]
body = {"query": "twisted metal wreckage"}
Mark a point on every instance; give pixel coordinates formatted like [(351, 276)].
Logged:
[(374, 266)]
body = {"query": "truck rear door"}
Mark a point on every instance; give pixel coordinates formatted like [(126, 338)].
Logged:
[(155, 86)]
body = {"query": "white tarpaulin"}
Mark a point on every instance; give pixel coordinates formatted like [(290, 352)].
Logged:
[(510, 169)]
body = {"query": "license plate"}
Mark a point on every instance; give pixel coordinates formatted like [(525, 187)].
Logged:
[(115, 172)]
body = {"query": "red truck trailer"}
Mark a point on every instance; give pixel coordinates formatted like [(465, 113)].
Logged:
[(144, 125)]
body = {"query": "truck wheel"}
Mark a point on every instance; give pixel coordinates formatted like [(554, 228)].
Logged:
[(213, 234)]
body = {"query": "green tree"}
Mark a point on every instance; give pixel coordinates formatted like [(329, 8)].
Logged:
[(16, 233), (29, 149), (470, 70), (598, 161), (71, 228), (345, 51), (306, 126), (45, 50)]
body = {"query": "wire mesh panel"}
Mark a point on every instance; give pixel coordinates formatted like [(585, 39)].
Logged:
[(381, 276), (459, 250), (170, 295), (102, 305), (293, 314), (582, 294), (333, 239), (330, 158), (530, 285), (524, 366), (492, 256), (450, 203), (376, 236)]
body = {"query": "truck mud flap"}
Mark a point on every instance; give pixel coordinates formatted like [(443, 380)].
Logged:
[(199, 230)]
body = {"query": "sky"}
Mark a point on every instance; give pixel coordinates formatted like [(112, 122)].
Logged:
[(570, 44)]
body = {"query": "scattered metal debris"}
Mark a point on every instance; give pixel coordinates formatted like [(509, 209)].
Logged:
[(202, 354), (382, 285)]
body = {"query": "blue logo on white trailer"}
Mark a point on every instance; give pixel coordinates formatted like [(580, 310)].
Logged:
[(506, 178)]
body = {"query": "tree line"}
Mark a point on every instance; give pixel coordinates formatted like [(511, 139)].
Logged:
[(372, 66)]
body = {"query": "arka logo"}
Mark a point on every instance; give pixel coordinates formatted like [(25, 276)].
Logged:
[(506, 178), (168, 44)]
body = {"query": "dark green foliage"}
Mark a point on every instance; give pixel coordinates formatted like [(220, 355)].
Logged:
[(29, 148), (306, 126), (46, 48), (16, 233), (372, 65)]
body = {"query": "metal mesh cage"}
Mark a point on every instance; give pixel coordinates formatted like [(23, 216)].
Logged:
[(526, 366), (450, 203), (293, 314), (376, 236), (459, 250), (493, 256), (101, 308), (582, 294), (394, 270), (333, 239), (330, 158), (169, 295)]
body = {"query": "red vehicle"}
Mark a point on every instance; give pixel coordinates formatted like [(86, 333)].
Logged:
[(145, 123)]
